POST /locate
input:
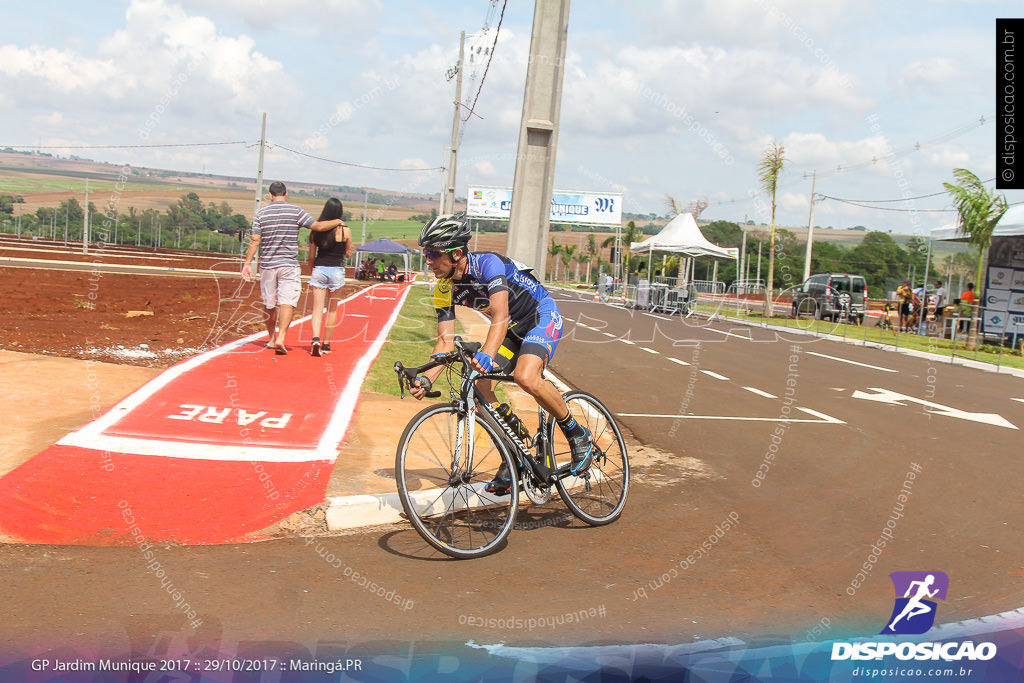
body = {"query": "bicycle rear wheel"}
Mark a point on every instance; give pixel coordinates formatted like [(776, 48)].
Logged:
[(445, 502), (598, 495)]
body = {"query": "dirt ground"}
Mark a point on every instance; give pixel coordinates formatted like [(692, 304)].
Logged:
[(152, 321)]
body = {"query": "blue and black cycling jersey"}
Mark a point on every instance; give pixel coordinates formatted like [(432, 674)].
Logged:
[(534, 319)]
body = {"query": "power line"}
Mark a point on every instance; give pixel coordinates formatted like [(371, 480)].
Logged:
[(886, 208), (483, 78), (890, 156), (180, 144), (347, 163)]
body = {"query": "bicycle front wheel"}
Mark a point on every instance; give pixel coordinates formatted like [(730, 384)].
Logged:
[(443, 494), (598, 495)]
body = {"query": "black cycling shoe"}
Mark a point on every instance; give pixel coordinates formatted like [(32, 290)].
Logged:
[(582, 452), (501, 484)]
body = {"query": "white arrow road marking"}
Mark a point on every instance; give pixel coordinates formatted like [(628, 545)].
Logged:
[(894, 398)]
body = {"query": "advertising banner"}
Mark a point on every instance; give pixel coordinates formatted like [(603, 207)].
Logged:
[(580, 208)]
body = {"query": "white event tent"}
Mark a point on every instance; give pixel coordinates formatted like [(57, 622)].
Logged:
[(680, 236), (1010, 225)]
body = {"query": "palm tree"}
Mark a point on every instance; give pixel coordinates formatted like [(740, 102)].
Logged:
[(979, 210), (632, 232), (553, 251), (591, 249), (567, 253), (772, 161), (696, 207)]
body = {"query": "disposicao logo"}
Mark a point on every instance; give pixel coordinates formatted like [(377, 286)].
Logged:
[(913, 613)]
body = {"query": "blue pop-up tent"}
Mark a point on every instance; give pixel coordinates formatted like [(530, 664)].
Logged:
[(384, 245)]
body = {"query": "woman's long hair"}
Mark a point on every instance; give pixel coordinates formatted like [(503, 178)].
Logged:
[(332, 210)]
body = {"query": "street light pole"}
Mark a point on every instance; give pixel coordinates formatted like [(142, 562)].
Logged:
[(810, 228)]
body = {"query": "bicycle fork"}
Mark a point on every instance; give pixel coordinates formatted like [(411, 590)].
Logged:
[(465, 433)]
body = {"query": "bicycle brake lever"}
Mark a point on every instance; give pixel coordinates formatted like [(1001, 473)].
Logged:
[(400, 370)]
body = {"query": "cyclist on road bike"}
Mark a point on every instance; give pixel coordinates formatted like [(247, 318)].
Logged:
[(524, 330)]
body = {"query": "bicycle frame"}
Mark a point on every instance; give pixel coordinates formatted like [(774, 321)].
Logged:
[(541, 471)]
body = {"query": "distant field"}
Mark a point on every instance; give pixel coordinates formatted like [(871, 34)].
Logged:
[(46, 182), (29, 185)]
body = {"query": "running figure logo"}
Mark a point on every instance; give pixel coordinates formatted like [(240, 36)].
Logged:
[(914, 612)]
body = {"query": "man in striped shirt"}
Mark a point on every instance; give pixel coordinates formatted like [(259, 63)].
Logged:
[(275, 233)]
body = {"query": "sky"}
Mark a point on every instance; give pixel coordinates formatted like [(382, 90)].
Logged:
[(660, 97)]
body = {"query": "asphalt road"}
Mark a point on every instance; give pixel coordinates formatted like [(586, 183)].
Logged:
[(707, 548)]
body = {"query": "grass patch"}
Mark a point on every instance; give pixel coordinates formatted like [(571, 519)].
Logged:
[(871, 333), (411, 341), (394, 229)]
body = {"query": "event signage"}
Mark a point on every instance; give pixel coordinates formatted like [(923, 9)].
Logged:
[(579, 208)]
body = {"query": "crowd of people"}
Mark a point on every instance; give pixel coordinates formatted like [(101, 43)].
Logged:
[(914, 302), (374, 269)]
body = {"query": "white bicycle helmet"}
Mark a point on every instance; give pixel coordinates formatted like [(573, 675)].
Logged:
[(446, 232)]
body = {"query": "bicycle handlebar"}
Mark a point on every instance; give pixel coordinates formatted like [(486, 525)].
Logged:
[(463, 352)]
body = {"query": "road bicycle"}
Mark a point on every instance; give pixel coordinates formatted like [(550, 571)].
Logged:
[(450, 451)]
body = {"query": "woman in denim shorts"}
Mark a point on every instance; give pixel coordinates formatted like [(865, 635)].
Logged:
[(327, 253)]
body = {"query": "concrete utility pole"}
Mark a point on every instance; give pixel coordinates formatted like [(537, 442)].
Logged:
[(365, 195), (449, 189), (259, 167), (85, 222), (538, 136), (810, 228)]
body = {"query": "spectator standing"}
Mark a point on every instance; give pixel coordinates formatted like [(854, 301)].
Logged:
[(275, 234), (327, 253), (940, 299), (967, 301), (904, 298)]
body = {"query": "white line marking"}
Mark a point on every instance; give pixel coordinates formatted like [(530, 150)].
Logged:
[(851, 362), (729, 334), (644, 348), (1018, 399), (714, 374), (659, 317), (760, 393), (608, 334), (826, 419), (626, 341), (823, 416)]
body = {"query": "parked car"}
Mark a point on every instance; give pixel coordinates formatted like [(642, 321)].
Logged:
[(832, 296)]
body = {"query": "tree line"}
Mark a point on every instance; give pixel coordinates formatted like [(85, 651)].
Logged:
[(882, 261), (186, 224)]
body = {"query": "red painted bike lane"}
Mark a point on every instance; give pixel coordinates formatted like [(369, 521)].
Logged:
[(213, 450)]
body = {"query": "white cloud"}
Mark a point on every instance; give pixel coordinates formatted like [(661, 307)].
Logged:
[(36, 68), (161, 64), (485, 169)]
